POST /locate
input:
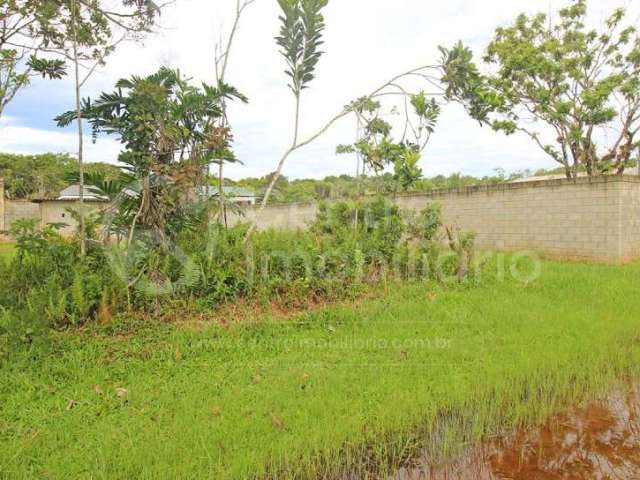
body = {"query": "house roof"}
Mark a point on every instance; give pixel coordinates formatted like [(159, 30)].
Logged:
[(72, 192), (230, 191)]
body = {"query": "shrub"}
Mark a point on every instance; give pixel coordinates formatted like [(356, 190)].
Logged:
[(425, 226), (376, 226), (48, 284), (46, 280)]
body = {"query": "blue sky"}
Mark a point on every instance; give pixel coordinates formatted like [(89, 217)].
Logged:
[(367, 42)]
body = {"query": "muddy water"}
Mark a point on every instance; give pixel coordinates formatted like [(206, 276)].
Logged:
[(599, 441)]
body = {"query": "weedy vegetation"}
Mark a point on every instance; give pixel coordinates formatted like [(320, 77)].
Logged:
[(49, 284), (6, 250), (425, 345), (358, 387)]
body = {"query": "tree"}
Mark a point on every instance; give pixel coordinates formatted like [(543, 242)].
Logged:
[(140, 20), (169, 131), (300, 39), (574, 91), (36, 36), (376, 146), (222, 54), (51, 33)]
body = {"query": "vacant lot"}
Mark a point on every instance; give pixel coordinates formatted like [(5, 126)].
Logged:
[(325, 390)]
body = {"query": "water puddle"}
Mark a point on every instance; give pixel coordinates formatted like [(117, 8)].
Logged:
[(599, 441)]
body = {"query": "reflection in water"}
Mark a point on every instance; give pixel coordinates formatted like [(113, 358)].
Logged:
[(600, 441)]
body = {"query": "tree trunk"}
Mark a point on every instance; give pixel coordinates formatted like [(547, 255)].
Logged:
[(220, 77), (278, 172), (83, 247), (221, 194)]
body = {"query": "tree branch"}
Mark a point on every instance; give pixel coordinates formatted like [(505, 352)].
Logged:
[(378, 92)]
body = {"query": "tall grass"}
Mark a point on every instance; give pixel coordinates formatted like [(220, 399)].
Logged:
[(7, 250), (355, 387), (206, 265)]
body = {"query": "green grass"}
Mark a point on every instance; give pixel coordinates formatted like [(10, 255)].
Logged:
[(338, 388), (6, 250)]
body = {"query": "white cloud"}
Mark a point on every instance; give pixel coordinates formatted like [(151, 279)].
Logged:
[(17, 138), (367, 42)]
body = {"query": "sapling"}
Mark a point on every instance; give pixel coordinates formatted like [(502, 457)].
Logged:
[(222, 54), (300, 39)]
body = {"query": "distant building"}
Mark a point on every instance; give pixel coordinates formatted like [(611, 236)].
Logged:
[(72, 193), (238, 195), (549, 176), (56, 210), (562, 176)]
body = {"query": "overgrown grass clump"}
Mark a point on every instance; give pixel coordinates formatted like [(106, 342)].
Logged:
[(7, 250), (198, 265), (355, 387)]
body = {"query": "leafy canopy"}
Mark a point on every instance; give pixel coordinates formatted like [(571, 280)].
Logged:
[(36, 35), (171, 130), (300, 39), (376, 145), (575, 91)]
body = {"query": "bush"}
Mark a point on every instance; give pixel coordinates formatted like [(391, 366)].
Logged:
[(48, 284), (376, 227), (425, 226)]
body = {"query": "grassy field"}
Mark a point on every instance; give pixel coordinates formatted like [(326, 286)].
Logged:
[(350, 387)]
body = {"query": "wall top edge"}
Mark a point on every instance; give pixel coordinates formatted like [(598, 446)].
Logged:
[(501, 187)]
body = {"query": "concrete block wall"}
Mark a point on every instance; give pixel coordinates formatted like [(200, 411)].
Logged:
[(12, 210), (630, 221), (1, 205), (57, 211), (286, 216), (43, 212), (593, 219), (20, 209), (582, 219)]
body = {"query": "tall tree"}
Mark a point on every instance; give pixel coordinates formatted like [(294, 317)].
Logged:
[(222, 55), (573, 90), (93, 47), (36, 36), (42, 36), (300, 41), (169, 131)]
